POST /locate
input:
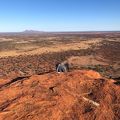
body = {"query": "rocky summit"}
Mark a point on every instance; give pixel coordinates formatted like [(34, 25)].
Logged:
[(75, 95)]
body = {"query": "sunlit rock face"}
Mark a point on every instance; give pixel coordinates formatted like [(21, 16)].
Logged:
[(75, 95)]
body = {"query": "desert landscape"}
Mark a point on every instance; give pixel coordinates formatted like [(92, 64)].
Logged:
[(30, 87)]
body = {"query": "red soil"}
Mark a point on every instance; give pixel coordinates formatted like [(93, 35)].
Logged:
[(76, 95)]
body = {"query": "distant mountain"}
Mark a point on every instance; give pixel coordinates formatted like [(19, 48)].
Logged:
[(33, 31)]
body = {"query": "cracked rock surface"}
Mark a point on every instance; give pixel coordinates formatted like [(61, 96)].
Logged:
[(76, 95)]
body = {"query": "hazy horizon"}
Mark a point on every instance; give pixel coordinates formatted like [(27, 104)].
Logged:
[(33, 31), (59, 15)]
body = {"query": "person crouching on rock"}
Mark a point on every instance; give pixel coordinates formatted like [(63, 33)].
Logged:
[(62, 67)]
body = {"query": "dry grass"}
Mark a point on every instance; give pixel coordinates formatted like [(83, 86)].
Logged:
[(27, 48)]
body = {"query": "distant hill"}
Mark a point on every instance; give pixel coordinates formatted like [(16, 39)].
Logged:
[(32, 31)]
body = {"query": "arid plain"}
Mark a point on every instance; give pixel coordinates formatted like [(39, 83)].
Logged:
[(31, 89)]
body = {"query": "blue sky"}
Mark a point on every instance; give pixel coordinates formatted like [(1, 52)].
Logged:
[(59, 15)]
